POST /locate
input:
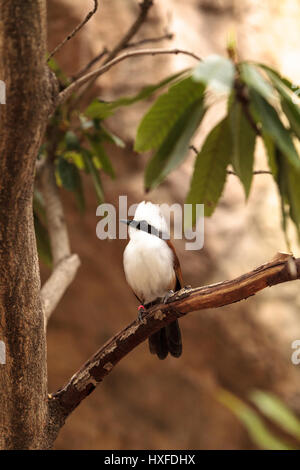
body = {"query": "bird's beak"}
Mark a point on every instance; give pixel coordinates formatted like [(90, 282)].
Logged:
[(124, 221)]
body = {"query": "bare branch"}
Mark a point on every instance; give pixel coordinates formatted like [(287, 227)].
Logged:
[(168, 36), (284, 267), (90, 64), (65, 264), (75, 31), (55, 287), (65, 94), (105, 51), (144, 9), (58, 233)]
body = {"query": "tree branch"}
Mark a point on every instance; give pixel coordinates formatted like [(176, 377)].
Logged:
[(58, 232), (55, 287), (168, 36), (144, 9), (31, 89), (90, 64), (75, 31), (122, 44), (284, 267), (65, 265), (67, 92)]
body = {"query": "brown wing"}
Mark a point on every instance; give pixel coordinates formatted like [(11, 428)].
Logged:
[(177, 269)]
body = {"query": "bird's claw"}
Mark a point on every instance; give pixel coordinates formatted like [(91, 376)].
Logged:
[(168, 296), (141, 313)]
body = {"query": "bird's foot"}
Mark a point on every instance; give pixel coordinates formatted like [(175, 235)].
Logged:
[(141, 313), (187, 287), (168, 296), (183, 292)]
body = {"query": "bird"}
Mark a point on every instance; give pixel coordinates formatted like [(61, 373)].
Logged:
[(153, 272)]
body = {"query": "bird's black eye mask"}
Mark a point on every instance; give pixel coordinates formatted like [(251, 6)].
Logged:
[(148, 228)]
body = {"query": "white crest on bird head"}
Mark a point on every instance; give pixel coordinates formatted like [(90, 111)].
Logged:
[(152, 214)]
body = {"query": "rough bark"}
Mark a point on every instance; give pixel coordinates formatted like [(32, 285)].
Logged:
[(30, 95)]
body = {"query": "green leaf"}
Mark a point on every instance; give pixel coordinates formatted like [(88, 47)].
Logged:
[(293, 191), (101, 155), (270, 149), (162, 116), (67, 173), (254, 79), (263, 112), (269, 70), (292, 112), (53, 65), (103, 134), (255, 426), (74, 157), (288, 183), (95, 175), (85, 122), (210, 168), (175, 146), (111, 137), (272, 407), (244, 137), (102, 109), (217, 72), (288, 103), (99, 109), (42, 241), (281, 180), (71, 141), (70, 179)]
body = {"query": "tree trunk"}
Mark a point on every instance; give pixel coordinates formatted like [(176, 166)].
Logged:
[(30, 91)]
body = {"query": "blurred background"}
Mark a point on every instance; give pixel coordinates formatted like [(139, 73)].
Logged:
[(146, 403)]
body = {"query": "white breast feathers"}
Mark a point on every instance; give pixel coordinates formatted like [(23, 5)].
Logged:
[(148, 260)]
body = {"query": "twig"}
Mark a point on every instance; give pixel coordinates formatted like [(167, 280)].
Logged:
[(284, 267), (168, 36), (65, 94), (105, 51), (72, 34), (257, 172), (144, 9), (242, 96), (195, 150), (90, 64)]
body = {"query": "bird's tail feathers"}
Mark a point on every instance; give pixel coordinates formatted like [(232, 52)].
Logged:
[(173, 336), (166, 340)]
